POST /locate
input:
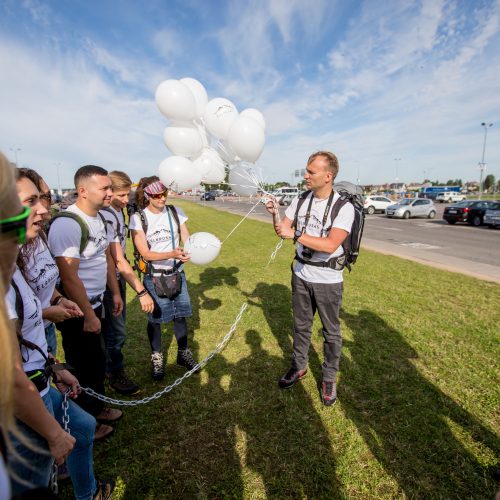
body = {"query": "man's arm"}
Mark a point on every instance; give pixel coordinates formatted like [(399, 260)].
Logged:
[(74, 289), (112, 283), (130, 277)]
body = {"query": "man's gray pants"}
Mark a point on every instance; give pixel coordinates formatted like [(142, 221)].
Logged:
[(326, 298)]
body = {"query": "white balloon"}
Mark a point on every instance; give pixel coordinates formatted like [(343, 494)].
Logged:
[(178, 173), (199, 93), (183, 141), (202, 247), (241, 180), (219, 116), (255, 114), (175, 100), (211, 166), (246, 138)]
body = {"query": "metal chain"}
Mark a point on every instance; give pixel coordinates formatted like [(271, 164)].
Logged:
[(276, 250), (65, 406), (168, 388)]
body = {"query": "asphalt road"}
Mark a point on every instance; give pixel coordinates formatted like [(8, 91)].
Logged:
[(460, 248)]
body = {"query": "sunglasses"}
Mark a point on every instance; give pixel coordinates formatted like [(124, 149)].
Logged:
[(159, 195), (18, 224)]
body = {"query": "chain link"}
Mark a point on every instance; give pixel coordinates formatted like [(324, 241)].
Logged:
[(177, 382), (276, 250)]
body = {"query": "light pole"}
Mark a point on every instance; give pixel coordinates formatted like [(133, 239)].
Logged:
[(15, 151), (482, 164), (397, 160)]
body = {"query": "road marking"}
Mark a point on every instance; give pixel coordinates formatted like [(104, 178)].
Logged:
[(391, 228), (414, 244)]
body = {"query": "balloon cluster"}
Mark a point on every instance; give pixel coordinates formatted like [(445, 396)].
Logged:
[(195, 125)]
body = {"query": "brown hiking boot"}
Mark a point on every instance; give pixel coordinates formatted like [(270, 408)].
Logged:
[(109, 415), (102, 431)]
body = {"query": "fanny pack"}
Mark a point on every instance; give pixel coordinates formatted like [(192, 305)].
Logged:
[(167, 283)]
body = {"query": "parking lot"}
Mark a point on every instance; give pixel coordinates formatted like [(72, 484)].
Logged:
[(460, 248)]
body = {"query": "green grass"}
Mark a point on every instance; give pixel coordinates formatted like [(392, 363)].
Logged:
[(418, 408)]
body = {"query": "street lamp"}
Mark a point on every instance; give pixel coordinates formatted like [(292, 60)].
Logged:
[(15, 151), (482, 164), (397, 160)]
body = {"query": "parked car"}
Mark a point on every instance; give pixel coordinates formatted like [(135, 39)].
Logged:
[(376, 204), (471, 211), (208, 196), (412, 207), (492, 217), (450, 196), (287, 199)]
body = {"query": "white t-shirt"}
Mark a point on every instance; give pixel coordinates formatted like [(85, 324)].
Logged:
[(158, 233), (4, 481), (42, 274), (32, 328), (116, 234), (314, 227), (64, 241)]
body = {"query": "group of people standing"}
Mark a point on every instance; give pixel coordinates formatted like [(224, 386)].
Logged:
[(74, 276), (71, 272)]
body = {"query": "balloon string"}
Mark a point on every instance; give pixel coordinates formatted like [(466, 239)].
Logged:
[(237, 225)]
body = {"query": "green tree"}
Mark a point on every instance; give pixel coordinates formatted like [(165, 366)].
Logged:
[(489, 182)]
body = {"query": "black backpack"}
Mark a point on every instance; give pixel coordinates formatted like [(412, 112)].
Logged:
[(349, 193)]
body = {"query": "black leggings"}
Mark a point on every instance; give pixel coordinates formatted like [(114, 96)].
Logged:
[(180, 332)]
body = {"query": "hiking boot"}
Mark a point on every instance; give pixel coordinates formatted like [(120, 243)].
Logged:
[(291, 377), (122, 384), (185, 359), (329, 393), (158, 370), (109, 415), (102, 431), (104, 490)]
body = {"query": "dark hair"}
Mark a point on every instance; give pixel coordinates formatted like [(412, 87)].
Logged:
[(28, 248), (141, 200), (29, 173), (88, 171)]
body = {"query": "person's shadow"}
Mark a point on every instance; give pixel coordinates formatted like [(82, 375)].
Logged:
[(407, 421), (280, 436)]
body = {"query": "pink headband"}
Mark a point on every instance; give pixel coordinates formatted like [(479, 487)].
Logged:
[(154, 188)]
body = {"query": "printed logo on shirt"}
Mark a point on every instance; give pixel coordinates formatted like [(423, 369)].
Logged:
[(159, 235), (314, 223), (45, 276), (100, 241)]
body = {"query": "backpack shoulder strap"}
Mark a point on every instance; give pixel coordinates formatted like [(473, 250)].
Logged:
[(83, 226), (302, 198), (112, 212), (176, 218)]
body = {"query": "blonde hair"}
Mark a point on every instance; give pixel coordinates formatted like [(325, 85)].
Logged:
[(332, 163), (120, 180), (8, 200)]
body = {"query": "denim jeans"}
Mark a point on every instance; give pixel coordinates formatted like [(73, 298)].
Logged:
[(326, 298), (79, 461), (114, 330), (50, 335)]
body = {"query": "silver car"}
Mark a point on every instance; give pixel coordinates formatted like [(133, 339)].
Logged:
[(412, 207)]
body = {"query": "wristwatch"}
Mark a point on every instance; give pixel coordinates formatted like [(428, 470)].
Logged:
[(297, 235)]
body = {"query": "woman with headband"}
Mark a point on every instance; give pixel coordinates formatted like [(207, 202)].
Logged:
[(157, 232)]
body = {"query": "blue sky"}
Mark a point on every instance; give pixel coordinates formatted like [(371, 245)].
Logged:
[(371, 81)]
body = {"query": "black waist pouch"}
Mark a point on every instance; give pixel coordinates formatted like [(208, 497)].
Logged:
[(167, 284)]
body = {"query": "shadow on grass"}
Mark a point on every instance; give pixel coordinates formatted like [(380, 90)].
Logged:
[(407, 421), (279, 436)]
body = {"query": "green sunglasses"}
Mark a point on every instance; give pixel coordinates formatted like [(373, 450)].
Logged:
[(18, 224)]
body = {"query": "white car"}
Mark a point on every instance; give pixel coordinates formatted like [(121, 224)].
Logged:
[(450, 196), (376, 204)]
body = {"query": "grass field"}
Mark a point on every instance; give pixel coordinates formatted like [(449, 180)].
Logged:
[(418, 409)]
